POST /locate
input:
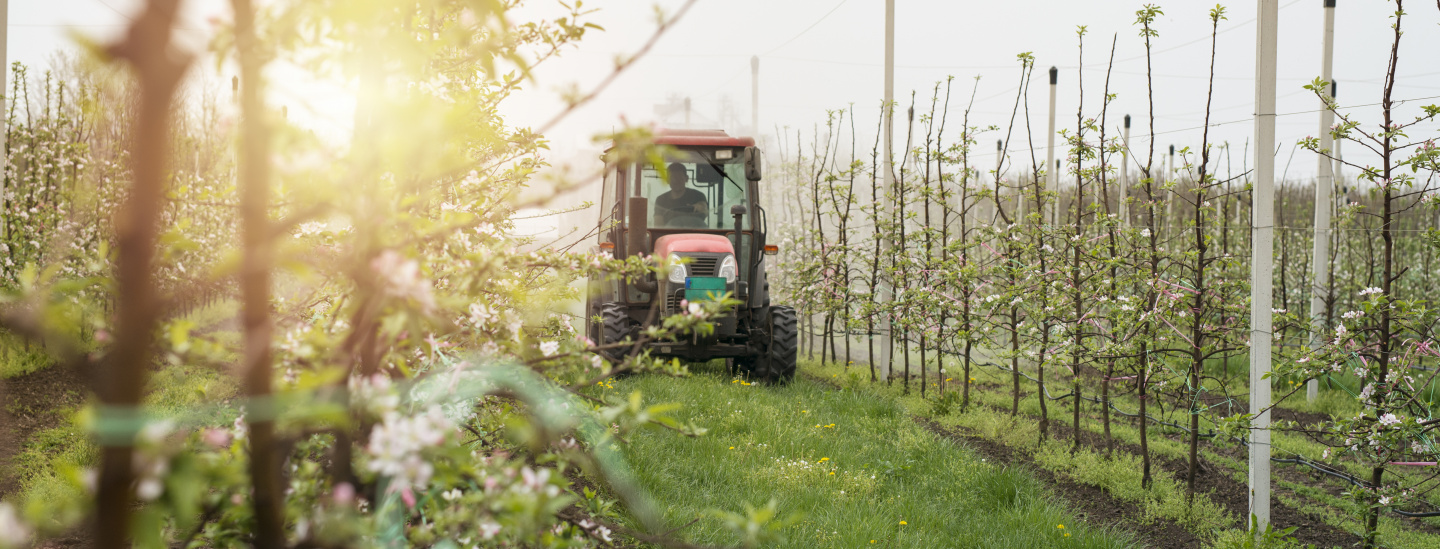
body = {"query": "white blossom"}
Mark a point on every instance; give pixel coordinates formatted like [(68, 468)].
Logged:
[(13, 531), (402, 278), (396, 445)]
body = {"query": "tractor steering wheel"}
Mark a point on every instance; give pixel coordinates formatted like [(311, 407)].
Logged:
[(690, 220)]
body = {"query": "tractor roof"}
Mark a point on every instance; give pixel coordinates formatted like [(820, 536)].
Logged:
[(701, 138), (692, 138)]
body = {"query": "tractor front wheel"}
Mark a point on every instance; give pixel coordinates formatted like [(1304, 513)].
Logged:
[(784, 341), (614, 328)]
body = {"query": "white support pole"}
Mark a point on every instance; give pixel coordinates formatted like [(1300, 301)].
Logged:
[(4, 55), (1125, 176), (887, 338), (4, 88), (1052, 173), (1262, 258), (1170, 198), (754, 98), (999, 161), (1324, 184), (1339, 164)]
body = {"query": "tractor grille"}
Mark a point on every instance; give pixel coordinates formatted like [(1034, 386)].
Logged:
[(702, 266)]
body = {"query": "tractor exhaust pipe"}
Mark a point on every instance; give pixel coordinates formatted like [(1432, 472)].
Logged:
[(639, 208), (738, 211)]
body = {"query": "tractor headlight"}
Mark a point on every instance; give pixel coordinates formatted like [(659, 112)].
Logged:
[(677, 270), (728, 269)]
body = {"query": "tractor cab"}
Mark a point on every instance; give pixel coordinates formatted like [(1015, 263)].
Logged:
[(696, 208)]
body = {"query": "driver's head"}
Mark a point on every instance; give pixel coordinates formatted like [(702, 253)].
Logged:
[(678, 176)]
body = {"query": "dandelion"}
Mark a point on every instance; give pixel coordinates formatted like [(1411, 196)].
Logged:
[(732, 447), (823, 460), (903, 523)]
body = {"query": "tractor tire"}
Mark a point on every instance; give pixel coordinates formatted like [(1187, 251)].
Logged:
[(784, 343), (614, 328)]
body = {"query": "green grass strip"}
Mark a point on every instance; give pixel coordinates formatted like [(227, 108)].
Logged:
[(855, 467)]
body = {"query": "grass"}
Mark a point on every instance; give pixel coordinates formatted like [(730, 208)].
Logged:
[(18, 358), (852, 465), (50, 464), (1120, 476), (1167, 443)]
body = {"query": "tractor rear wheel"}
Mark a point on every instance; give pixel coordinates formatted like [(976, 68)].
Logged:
[(784, 339), (614, 328)]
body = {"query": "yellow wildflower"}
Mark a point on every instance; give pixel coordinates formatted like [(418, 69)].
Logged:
[(903, 523), (1060, 526)]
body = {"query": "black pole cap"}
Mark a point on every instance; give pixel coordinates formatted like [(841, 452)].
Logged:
[(1329, 3), (1332, 89), (999, 144), (1054, 75), (1172, 150), (1127, 120)]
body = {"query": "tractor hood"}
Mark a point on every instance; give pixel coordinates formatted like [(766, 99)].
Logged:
[(692, 243)]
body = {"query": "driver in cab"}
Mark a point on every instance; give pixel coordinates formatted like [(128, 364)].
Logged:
[(682, 206)]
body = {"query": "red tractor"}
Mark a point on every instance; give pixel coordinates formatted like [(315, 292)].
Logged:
[(702, 205)]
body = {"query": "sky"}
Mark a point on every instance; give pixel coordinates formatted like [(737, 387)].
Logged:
[(818, 56)]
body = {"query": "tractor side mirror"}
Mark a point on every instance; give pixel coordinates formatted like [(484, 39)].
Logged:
[(752, 163)]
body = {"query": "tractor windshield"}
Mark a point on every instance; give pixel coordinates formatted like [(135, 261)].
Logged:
[(694, 189)]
